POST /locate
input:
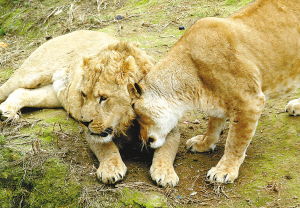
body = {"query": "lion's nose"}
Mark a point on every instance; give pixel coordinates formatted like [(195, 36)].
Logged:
[(106, 132), (86, 123)]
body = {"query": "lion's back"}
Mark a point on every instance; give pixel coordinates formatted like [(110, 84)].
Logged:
[(65, 50)]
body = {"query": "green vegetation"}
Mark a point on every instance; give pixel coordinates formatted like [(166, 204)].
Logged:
[(139, 199), (60, 174)]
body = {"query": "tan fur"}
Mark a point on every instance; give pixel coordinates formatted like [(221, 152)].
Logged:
[(227, 67), (73, 71)]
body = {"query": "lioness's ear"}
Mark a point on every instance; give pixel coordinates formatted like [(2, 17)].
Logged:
[(134, 90)]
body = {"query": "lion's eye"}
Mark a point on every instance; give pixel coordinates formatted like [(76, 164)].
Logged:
[(83, 94), (102, 98)]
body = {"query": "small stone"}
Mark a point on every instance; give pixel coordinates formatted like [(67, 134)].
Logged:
[(288, 177), (48, 37), (181, 28), (119, 17), (196, 121), (193, 193)]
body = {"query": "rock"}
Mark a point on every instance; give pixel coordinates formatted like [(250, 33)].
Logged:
[(119, 17), (143, 199), (181, 28)]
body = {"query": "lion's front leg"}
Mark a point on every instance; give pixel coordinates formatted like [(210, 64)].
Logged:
[(112, 168), (205, 143), (162, 169), (293, 107), (43, 97), (241, 130)]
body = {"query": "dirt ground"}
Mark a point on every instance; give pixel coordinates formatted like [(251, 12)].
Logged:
[(45, 160)]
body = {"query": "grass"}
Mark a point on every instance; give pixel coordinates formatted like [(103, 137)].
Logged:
[(62, 174)]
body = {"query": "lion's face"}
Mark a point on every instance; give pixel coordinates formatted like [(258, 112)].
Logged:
[(106, 104), (107, 110)]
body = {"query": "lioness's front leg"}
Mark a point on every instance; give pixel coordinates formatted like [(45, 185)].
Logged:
[(112, 167), (162, 169), (241, 130), (205, 143), (40, 97), (293, 107)]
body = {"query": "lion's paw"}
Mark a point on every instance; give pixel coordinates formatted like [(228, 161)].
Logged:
[(199, 144), (293, 107), (7, 114), (164, 175), (219, 175), (110, 172)]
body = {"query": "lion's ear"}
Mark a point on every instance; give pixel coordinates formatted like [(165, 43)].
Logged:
[(134, 90), (129, 65), (85, 61)]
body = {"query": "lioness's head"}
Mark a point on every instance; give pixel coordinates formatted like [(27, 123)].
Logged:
[(106, 104), (156, 115)]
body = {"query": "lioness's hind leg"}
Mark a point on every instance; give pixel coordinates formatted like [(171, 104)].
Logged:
[(293, 107), (162, 169), (43, 97), (205, 143)]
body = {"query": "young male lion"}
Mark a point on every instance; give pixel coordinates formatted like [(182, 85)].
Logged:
[(227, 67), (92, 89)]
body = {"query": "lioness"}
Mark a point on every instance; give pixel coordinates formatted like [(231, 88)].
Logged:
[(87, 73), (227, 67)]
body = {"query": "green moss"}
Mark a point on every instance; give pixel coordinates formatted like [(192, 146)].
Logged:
[(2, 140), (2, 32), (142, 200), (5, 74), (45, 186), (237, 2), (52, 120), (6, 197), (54, 189), (10, 177)]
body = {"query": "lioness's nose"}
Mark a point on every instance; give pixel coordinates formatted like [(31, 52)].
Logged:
[(150, 140)]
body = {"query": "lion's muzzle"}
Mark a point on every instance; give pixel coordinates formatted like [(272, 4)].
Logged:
[(105, 133)]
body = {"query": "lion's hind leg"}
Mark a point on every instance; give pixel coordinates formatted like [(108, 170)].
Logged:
[(293, 107), (43, 97), (205, 143), (22, 78)]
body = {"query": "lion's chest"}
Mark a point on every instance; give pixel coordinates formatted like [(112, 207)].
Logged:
[(60, 82)]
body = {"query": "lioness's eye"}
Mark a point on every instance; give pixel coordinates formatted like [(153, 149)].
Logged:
[(83, 94), (102, 98)]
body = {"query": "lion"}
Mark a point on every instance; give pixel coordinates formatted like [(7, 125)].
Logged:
[(227, 67), (87, 73)]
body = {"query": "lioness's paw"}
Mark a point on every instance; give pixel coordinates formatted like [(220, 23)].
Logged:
[(199, 144), (293, 107), (164, 175), (8, 115), (110, 172), (219, 175)]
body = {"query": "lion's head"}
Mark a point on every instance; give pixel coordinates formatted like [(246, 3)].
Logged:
[(106, 104)]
